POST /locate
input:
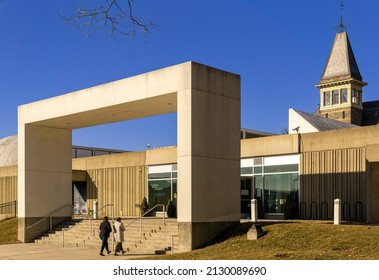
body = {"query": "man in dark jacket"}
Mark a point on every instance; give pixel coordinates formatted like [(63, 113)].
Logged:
[(105, 230)]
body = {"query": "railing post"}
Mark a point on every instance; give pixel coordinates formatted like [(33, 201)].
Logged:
[(15, 208), (140, 224), (337, 211), (164, 214), (112, 227), (172, 244), (90, 224), (62, 237), (51, 223)]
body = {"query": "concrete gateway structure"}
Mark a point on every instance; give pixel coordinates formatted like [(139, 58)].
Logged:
[(207, 102), (212, 175)]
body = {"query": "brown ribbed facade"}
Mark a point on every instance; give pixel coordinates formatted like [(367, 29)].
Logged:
[(8, 193), (331, 174), (123, 187)]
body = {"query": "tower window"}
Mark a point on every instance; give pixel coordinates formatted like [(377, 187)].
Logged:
[(354, 96), (335, 97), (344, 98), (326, 98)]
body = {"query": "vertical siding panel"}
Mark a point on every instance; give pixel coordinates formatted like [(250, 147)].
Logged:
[(327, 175)]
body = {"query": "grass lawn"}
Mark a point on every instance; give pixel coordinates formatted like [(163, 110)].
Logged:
[(8, 231), (286, 240), (291, 240)]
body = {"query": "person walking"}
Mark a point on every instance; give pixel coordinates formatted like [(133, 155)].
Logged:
[(118, 234), (105, 230)]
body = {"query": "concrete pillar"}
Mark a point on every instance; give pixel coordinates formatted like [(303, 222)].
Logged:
[(44, 178), (254, 210), (208, 156), (337, 211)]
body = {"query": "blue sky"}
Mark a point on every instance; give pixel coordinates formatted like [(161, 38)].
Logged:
[(278, 47)]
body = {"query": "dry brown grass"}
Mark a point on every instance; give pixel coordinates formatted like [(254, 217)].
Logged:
[(8, 231), (292, 240), (287, 240)]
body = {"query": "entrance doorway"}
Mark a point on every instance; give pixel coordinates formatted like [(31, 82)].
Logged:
[(79, 198), (273, 182), (246, 196), (251, 187), (162, 182)]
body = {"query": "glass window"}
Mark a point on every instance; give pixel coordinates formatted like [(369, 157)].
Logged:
[(162, 185), (258, 169), (258, 194), (258, 161), (175, 192), (275, 186), (344, 98), (281, 168), (246, 195), (278, 191), (326, 98), (159, 192), (354, 96), (246, 170), (335, 97), (160, 175)]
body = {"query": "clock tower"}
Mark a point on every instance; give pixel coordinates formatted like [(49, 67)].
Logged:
[(341, 84)]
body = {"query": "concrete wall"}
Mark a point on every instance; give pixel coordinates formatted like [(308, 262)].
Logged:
[(150, 157), (44, 166), (7, 171), (340, 139), (270, 146)]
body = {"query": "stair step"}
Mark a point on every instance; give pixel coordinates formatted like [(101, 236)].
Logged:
[(155, 239)]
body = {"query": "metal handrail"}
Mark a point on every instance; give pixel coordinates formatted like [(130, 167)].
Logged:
[(5, 204), (9, 204), (92, 212), (144, 214), (63, 230), (50, 216)]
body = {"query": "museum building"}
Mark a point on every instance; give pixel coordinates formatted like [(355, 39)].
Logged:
[(332, 153)]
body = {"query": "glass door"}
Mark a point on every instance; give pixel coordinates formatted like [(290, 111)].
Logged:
[(246, 196), (259, 194)]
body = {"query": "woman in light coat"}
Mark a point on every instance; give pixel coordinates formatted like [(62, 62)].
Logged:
[(118, 235)]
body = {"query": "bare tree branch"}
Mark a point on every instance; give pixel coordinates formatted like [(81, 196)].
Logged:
[(116, 16)]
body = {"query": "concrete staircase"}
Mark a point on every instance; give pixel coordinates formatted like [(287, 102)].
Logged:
[(156, 237)]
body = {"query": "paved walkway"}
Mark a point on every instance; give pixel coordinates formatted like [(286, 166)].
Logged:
[(32, 251)]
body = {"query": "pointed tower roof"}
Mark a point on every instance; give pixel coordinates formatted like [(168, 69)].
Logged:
[(341, 64)]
